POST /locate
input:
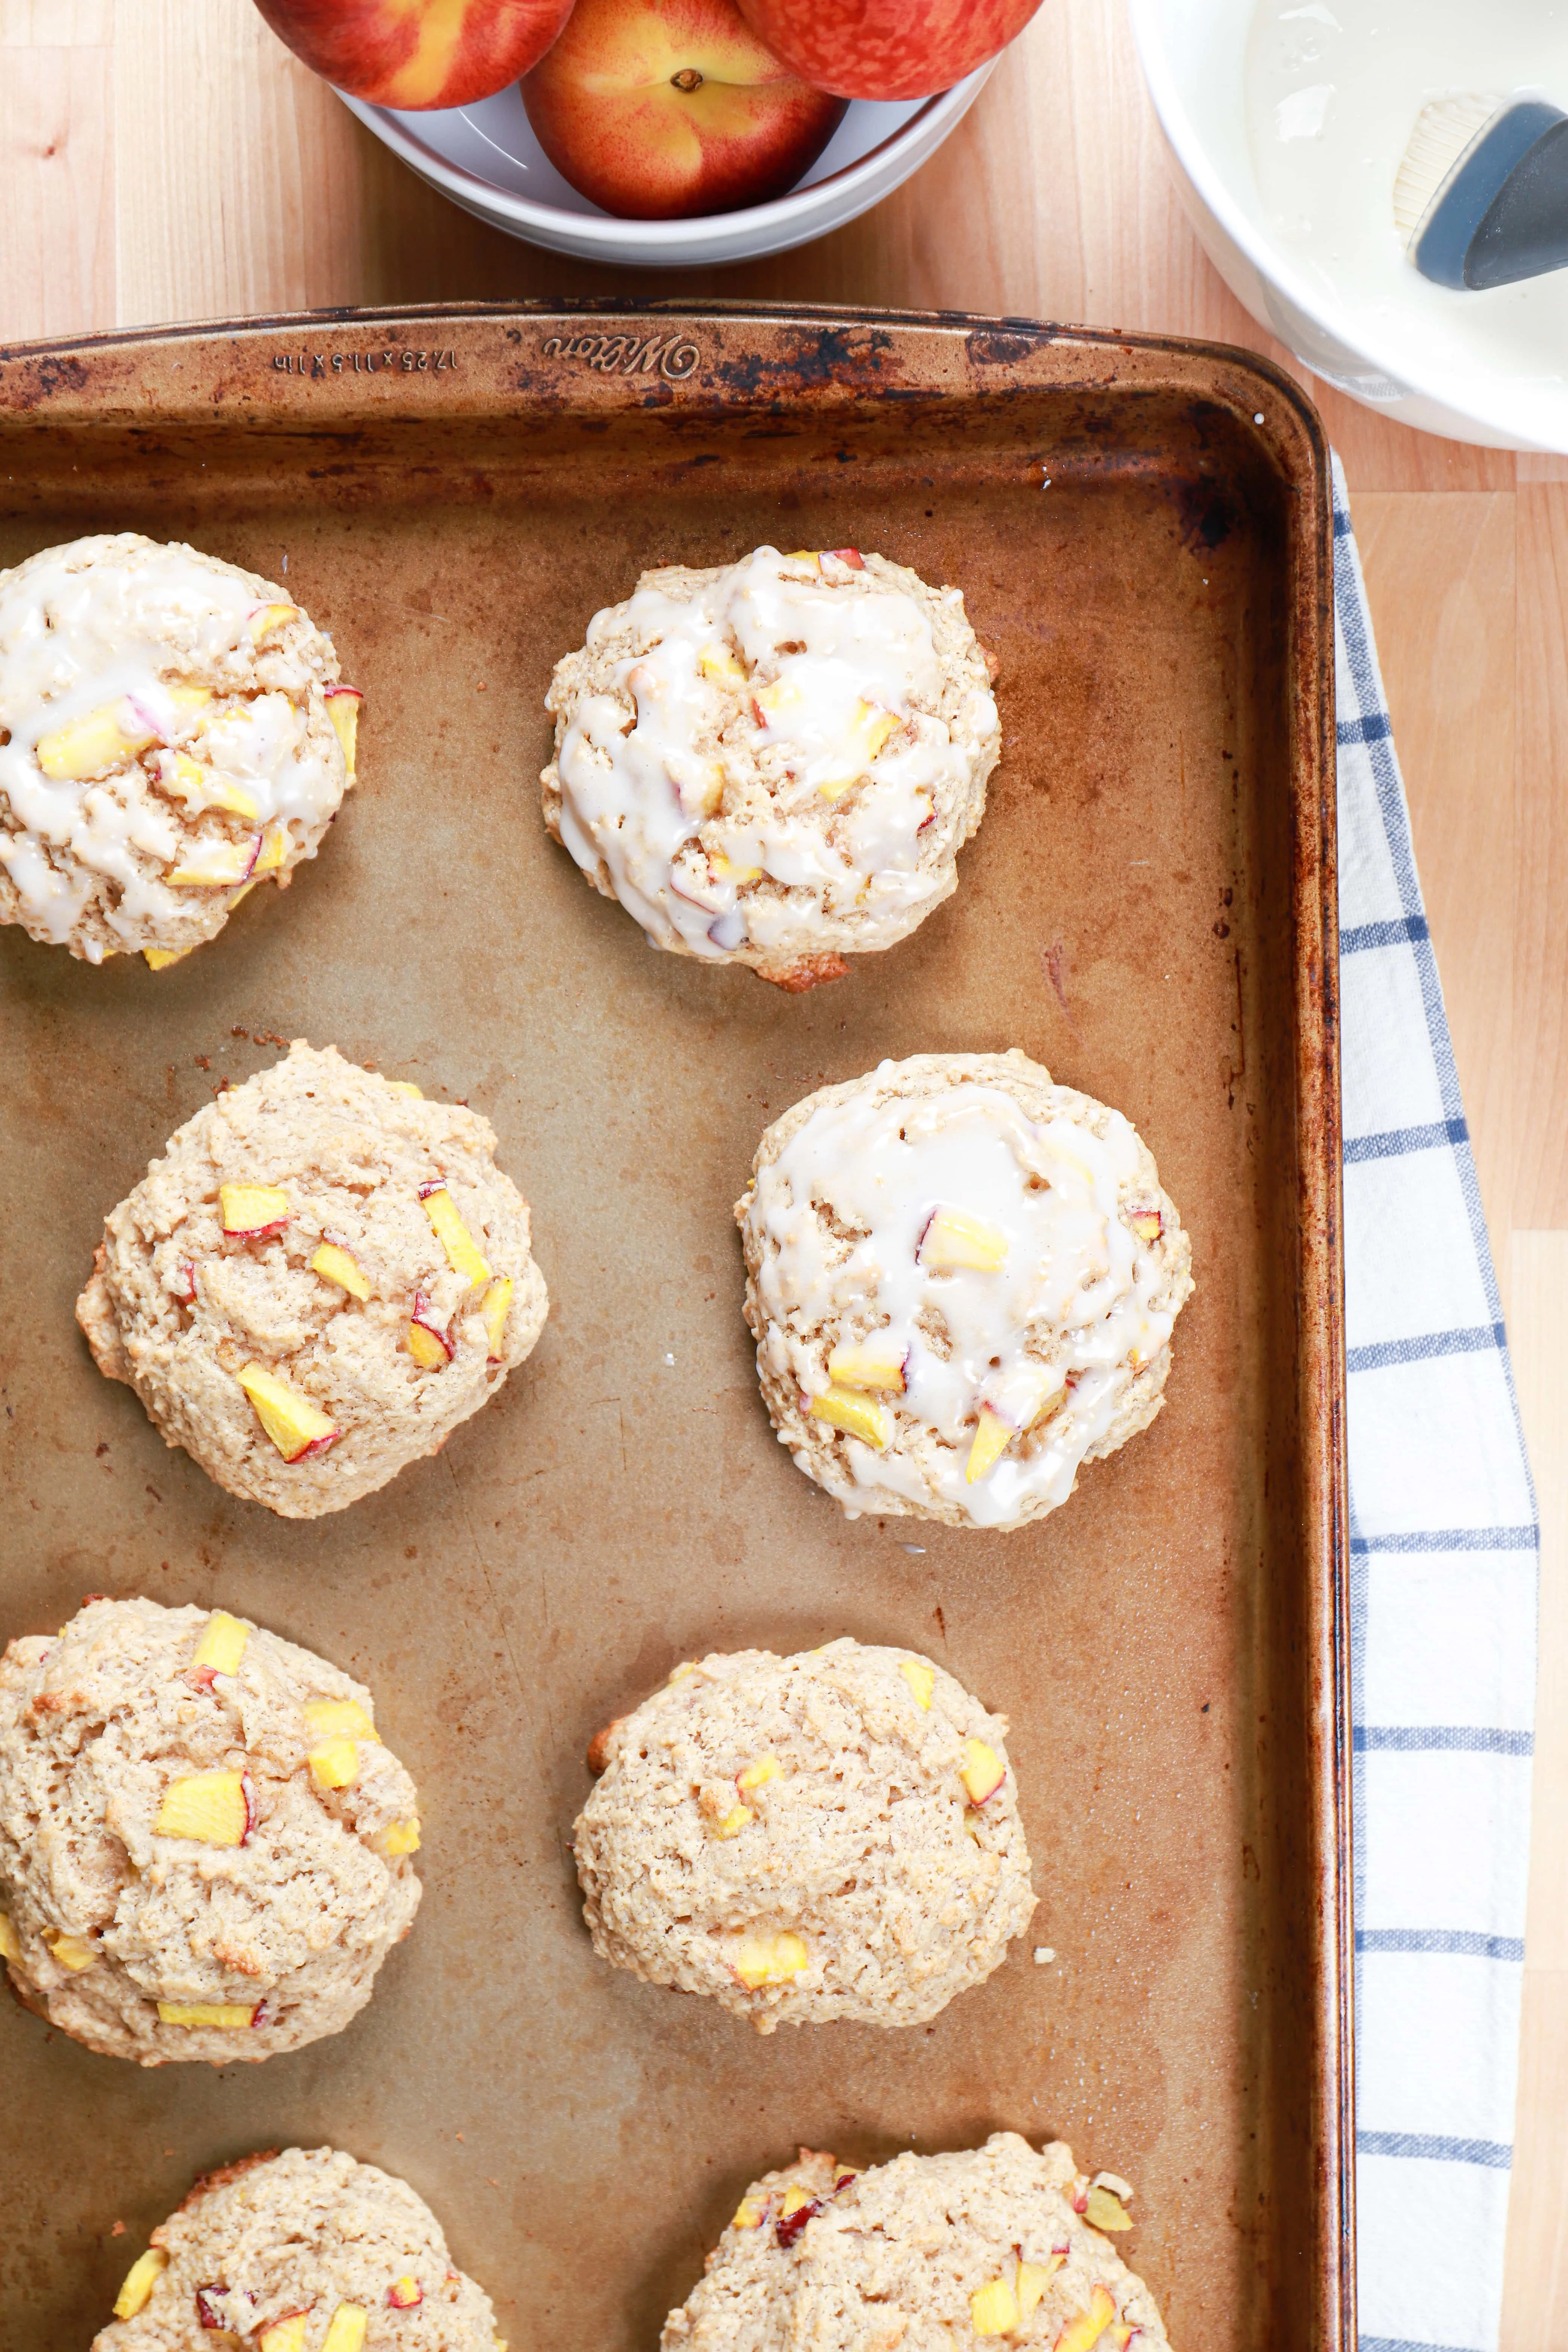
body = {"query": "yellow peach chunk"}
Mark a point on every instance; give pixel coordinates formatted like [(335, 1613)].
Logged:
[(274, 850), (215, 865), (982, 1771), (873, 1363), (335, 1763), (401, 1837), (1082, 2334), (770, 1959), (463, 1254), (1033, 2280), (1147, 1224), (226, 2016), (346, 2329), (719, 661), (867, 731), (92, 745), (286, 2334), (749, 2213), (805, 555), (268, 617), (758, 1775), (239, 894), (772, 700), (994, 2309), (214, 1808), (73, 1952), (296, 1426), (222, 1645), (727, 870), (329, 1716), (733, 1822), (10, 1942), (336, 1265), (140, 2279), (991, 1438), (842, 1409), (252, 1208), (160, 959), (201, 787), (429, 1350), (494, 1309), (1105, 2210), (405, 1087), (920, 1678), (189, 700), (953, 1238), (343, 708), (795, 2198), (405, 2293)]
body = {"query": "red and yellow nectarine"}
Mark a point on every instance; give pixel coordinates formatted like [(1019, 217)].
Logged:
[(418, 53), (886, 48)]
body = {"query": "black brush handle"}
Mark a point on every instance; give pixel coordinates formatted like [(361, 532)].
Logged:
[(1525, 231)]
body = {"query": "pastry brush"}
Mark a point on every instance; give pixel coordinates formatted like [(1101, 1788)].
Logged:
[(1481, 196)]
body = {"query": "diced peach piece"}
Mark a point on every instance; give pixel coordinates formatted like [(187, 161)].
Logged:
[(994, 2309), (494, 1310), (92, 745), (770, 702), (160, 959), (226, 2016), (463, 1252), (335, 1763), (982, 1771), (189, 700), (222, 1645), (201, 787), (73, 1952), (758, 1775), (844, 1408), (297, 1427), (992, 1437), (217, 866), (428, 1343), (406, 2294), (770, 1959), (1033, 2280), (1082, 2334), (1105, 2210), (804, 555), (954, 1238), (733, 1822), (250, 1209), (334, 1264), (727, 870), (921, 1680), (794, 2196), (329, 1716), (285, 2334), (239, 895), (214, 1808), (719, 661), (140, 2279), (1147, 1224), (268, 617), (401, 1837), (274, 850), (344, 703), (849, 555), (873, 1363), (10, 1942), (868, 731), (346, 2329), (405, 1087), (749, 2213)]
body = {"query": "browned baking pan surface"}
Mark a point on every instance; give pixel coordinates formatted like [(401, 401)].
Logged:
[(1142, 532)]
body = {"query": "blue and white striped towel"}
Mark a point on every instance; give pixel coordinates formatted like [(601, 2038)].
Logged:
[(1443, 1589)]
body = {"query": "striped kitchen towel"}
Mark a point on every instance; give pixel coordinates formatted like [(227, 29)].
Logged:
[(1443, 1588)]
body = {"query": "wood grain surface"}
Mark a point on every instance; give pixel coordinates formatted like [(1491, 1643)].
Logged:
[(165, 160)]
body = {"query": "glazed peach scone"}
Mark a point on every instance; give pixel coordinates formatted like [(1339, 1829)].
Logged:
[(303, 2252), (321, 1278), (804, 1839), (204, 1844), (927, 2253), (172, 730), (961, 1280), (774, 762)]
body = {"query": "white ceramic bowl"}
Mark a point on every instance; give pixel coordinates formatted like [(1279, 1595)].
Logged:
[(487, 159), (1192, 53)]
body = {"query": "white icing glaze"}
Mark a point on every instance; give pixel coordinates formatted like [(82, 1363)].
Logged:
[(1049, 1339), (647, 802), (75, 640)]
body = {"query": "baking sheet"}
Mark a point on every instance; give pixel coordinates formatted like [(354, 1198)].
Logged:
[(1141, 530)]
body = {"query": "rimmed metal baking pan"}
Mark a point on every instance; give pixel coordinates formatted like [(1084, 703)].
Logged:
[(1141, 529)]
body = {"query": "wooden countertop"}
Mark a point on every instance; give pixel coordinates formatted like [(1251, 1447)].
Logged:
[(166, 160)]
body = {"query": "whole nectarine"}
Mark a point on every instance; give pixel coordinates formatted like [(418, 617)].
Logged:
[(887, 49), (659, 110), (418, 53)]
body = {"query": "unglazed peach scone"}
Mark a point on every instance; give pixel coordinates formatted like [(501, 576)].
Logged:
[(961, 1280), (321, 1278), (804, 1839), (172, 730), (204, 1845), (774, 762), (303, 2252), (925, 2253)]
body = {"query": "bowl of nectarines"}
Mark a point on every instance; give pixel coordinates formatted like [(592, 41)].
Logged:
[(658, 133)]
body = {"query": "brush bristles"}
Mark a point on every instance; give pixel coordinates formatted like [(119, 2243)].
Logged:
[(1445, 131)]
